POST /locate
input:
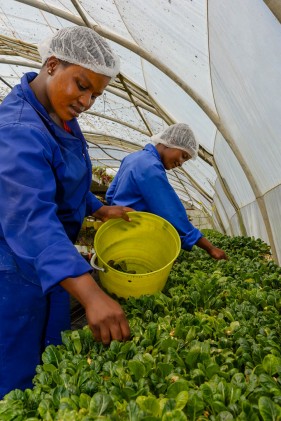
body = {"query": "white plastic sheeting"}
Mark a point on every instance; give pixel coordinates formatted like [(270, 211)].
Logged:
[(231, 171), (179, 106), (214, 64), (176, 33), (253, 221), (245, 64), (241, 193), (224, 221), (245, 67)]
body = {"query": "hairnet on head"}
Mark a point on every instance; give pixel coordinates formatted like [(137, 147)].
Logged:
[(179, 136), (82, 46)]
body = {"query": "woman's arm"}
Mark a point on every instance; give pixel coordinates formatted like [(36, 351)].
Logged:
[(105, 316), (213, 251)]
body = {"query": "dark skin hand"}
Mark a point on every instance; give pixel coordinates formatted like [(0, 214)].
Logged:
[(213, 251), (105, 316), (108, 212)]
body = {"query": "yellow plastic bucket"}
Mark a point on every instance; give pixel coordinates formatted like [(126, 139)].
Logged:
[(148, 245)]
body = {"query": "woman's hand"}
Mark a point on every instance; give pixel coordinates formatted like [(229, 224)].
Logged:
[(213, 251), (105, 316), (108, 212), (106, 319), (217, 253)]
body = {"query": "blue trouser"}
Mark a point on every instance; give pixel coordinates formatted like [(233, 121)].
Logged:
[(29, 321)]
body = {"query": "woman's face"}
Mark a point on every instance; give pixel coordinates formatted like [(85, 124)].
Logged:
[(72, 89), (173, 157)]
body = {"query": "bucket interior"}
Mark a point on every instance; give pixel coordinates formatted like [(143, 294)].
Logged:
[(146, 244)]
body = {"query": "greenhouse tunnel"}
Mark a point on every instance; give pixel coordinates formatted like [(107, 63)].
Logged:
[(203, 342), (214, 65)]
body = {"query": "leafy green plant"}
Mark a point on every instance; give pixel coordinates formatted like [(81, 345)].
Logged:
[(206, 348)]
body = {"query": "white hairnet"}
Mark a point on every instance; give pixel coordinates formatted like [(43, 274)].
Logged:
[(82, 46), (179, 136)]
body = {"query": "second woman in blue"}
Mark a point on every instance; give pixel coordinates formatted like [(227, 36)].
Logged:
[(142, 183)]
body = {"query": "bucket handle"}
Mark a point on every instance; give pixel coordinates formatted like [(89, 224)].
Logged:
[(92, 262)]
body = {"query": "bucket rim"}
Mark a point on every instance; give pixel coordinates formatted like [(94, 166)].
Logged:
[(132, 214)]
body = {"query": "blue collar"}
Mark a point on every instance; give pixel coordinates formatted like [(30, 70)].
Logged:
[(30, 96), (151, 148)]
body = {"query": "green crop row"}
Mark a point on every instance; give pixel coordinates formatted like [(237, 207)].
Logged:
[(207, 348)]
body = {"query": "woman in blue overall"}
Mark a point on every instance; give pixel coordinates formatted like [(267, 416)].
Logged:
[(45, 178), (142, 183)]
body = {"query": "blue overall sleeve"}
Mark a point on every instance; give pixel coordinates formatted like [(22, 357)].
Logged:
[(92, 204), (29, 218), (161, 199)]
